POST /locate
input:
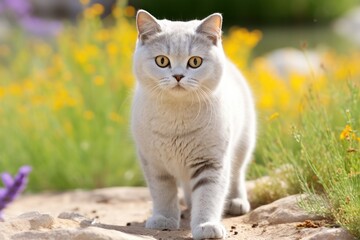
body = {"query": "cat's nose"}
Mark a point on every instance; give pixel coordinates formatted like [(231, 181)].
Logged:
[(178, 77)]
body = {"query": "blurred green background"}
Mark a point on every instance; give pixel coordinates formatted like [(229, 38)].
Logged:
[(284, 23), (254, 12)]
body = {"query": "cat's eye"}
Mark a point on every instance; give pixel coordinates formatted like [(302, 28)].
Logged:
[(195, 62), (162, 61)]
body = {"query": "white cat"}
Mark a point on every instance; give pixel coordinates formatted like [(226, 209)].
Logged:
[(193, 121)]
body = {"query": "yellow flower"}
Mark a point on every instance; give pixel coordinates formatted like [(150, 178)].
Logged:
[(113, 116), (129, 11), (102, 35), (297, 82), (346, 133), (274, 116), (266, 101), (112, 49), (63, 99), (99, 80), (86, 53), (94, 11), (2, 92), (15, 89), (117, 12), (80, 57), (98, 8)]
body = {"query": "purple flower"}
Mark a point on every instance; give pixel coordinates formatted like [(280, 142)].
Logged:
[(20, 7), (40, 26), (13, 186), (21, 12)]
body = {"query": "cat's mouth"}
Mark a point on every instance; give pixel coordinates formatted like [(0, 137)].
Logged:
[(178, 87)]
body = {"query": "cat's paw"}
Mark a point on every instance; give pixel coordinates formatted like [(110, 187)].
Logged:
[(162, 223), (209, 230), (237, 206)]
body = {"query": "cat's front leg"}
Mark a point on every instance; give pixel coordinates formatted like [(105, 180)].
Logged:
[(163, 189), (209, 181)]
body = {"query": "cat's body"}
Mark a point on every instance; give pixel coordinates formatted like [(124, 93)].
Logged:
[(193, 122)]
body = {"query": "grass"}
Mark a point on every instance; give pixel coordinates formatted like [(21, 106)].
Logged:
[(332, 172), (319, 155), (64, 106), (64, 110)]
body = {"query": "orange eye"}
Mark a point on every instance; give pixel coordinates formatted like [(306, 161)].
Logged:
[(195, 62), (162, 61)]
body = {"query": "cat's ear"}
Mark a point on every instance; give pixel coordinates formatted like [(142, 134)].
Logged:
[(211, 27), (146, 25)]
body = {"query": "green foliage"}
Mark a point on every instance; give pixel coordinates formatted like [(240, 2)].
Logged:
[(255, 11), (332, 168), (324, 155)]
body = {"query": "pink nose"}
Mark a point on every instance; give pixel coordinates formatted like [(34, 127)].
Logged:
[(178, 77)]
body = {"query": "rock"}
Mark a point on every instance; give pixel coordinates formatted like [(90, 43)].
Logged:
[(285, 210), (72, 216), (287, 61), (42, 221), (329, 234), (29, 215), (37, 220), (349, 25)]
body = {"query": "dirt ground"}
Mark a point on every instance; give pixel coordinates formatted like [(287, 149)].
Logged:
[(126, 209)]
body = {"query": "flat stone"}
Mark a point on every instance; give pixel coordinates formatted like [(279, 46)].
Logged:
[(42, 221), (285, 210), (37, 220)]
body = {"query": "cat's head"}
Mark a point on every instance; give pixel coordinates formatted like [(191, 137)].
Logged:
[(178, 58)]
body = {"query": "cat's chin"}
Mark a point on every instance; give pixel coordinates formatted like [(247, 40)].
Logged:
[(178, 91)]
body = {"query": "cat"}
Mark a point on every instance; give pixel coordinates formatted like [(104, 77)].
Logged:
[(193, 122)]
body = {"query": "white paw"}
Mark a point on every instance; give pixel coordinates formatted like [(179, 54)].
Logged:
[(209, 230), (237, 206), (162, 223)]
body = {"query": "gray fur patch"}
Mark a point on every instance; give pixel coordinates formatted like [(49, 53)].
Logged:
[(202, 182)]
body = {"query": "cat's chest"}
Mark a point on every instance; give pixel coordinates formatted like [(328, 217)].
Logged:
[(176, 136), (165, 125)]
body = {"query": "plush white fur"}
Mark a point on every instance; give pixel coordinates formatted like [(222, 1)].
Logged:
[(199, 132)]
